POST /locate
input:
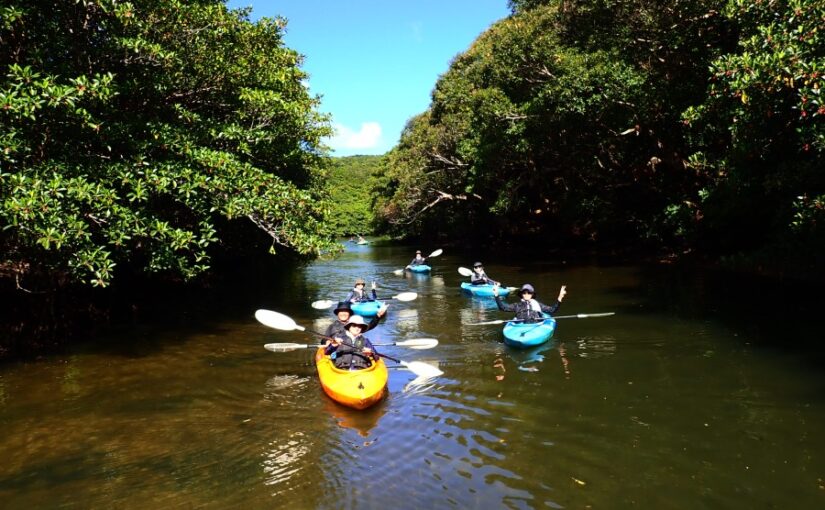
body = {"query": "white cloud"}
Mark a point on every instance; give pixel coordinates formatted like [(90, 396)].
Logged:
[(368, 137)]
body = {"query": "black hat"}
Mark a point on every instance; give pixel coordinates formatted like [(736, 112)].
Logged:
[(343, 306), (477, 264)]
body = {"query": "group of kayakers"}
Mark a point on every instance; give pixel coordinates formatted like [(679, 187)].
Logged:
[(350, 349)]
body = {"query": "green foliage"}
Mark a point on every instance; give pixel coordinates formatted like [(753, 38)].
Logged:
[(675, 124), (132, 132), (350, 181), (760, 130), (563, 118)]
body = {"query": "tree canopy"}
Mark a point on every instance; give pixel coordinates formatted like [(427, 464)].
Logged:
[(137, 134), (673, 124), (350, 183)]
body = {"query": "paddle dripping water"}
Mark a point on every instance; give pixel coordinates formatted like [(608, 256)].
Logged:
[(677, 401)]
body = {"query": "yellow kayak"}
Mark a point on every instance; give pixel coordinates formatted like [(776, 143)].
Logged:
[(353, 388)]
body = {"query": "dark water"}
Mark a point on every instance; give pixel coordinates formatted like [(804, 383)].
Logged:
[(700, 392)]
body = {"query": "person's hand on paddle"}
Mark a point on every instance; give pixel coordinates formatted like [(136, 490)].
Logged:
[(495, 289), (562, 292), (382, 310)]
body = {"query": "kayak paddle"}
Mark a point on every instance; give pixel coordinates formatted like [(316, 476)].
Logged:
[(577, 316), (284, 322), (403, 296), (436, 253), (463, 271), (413, 343)]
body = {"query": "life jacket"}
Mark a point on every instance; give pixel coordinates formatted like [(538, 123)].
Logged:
[(529, 310), (343, 358)]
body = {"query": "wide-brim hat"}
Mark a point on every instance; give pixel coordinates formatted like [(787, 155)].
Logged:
[(343, 306), (355, 319), (360, 281)]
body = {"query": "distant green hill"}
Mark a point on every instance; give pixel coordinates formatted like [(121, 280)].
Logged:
[(350, 181)]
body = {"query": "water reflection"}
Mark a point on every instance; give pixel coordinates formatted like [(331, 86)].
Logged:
[(284, 458), (361, 421), (203, 417)]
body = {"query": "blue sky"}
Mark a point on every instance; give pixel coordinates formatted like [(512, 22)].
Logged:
[(375, 62)]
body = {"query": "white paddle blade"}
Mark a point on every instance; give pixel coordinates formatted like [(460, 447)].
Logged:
[(276, 320), (406, 296), (418, 343), (286, 347), (489, 323), (323, 304), (421, 369), (398, 272), (436, 253), (463, 271)]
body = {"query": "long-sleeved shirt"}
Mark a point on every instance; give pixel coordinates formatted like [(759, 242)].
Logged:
[(356, 297), (525, 310), (480, 278)]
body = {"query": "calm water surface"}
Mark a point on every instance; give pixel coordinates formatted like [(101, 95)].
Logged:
[(698, 393)]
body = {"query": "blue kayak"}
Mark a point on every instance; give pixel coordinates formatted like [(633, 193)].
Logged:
[(529, 334), (366, 308), (485, 290), (419, 268)]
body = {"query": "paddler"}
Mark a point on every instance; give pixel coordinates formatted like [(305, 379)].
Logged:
[(352, 351)]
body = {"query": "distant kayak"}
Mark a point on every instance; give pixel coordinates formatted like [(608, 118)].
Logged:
[(366, 308), (419, 268), (358, 389), (485, 290), (364, 241), (529, 334)]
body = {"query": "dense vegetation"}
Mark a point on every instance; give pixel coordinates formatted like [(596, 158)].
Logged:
[(145, 136), (350, 182), (153, 137), (676, 124)]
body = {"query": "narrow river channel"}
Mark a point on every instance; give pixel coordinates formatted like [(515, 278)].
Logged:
[(702, 391)]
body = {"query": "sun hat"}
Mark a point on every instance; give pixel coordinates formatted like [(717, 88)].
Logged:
[(355, 319), (360, 281), (477, 264), (528, 288), (343, 306)]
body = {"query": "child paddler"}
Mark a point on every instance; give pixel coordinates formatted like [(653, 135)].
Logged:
[(352, 351)]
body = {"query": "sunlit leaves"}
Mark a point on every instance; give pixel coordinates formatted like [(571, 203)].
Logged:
[(129, 129)]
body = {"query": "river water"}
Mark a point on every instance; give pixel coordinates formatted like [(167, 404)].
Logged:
[(703, 391)]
